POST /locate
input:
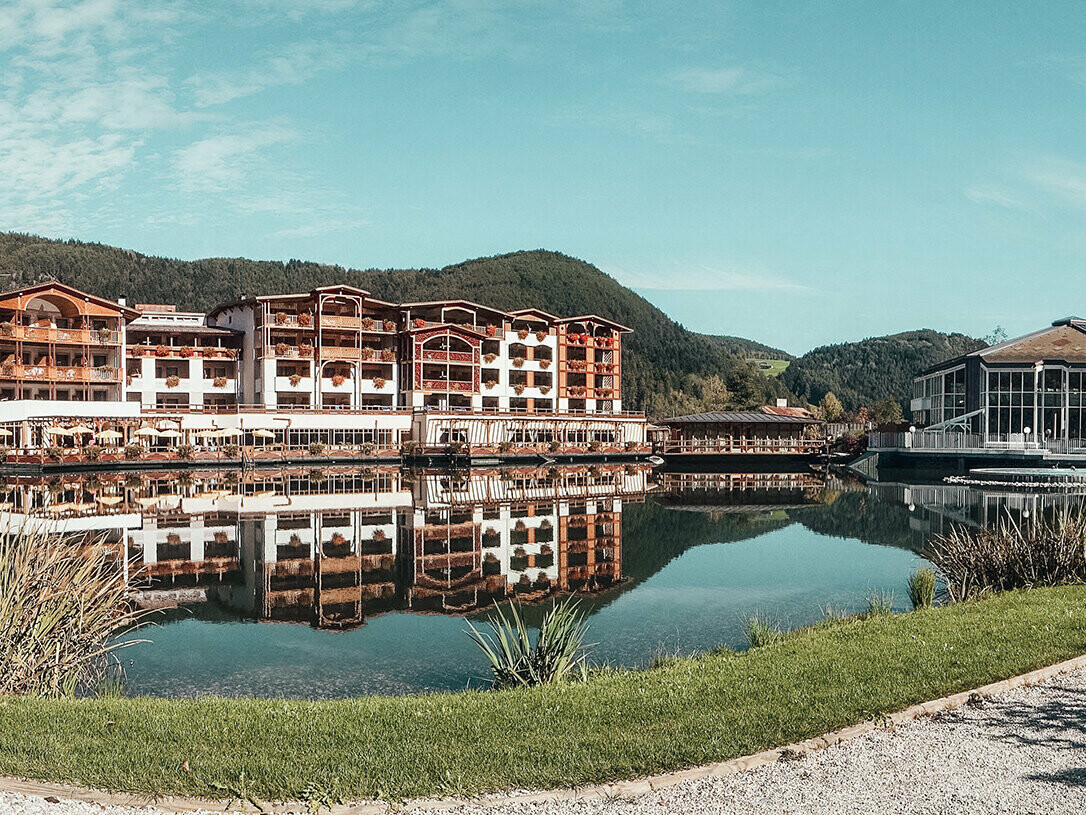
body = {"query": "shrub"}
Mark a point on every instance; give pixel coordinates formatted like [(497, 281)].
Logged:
[(187, 352), (557, 655), (133, 452), (219, 382), (761, 631), (518, 388), (54, 452), (231, 450), (389, 325), (544, 389), (595, 445), (368, 323), (305, 320), (280, 318), (505, 446), (880, 602), (544, 364), (922, 588), (162, 351), (630, 446), (281, 349), (379, 382), (541, 335), (5, 452), (338, 379), (316, 448), (92, 452), (489, 358), (295, 380), (1012, 555), (173, 381), (388, 355), (60, 604), (186, 451), (518, 362), (368, 449), (305, 349), (523, 333), (554, 445)]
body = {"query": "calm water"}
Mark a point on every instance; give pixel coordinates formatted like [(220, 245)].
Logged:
[(352, 581)]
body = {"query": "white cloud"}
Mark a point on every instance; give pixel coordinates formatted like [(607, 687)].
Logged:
[(993, 195), (696, 277), (221, 162), (1066, 180), (734, 80)]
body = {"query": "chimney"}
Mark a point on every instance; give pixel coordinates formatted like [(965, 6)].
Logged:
[(122, 301), (782, 403)]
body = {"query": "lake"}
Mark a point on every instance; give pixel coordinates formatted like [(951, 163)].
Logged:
[(345, 581)]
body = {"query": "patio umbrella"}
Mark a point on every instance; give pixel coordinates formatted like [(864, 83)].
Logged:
[(168, 424), (110, 500), (146, 432), (58, 431), (169, 434), (264, 434), (80, 430), (109, 435), (228, 432)]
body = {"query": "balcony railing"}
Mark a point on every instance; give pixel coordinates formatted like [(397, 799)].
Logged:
[(67, 336), (744, 446), (952, 441), (56, 373), (465, 357), (182, 351), (447, 385), (343, 321)]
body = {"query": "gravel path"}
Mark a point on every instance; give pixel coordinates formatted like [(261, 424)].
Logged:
[(1024, 752)]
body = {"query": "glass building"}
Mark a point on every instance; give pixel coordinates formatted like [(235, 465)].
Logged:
[(1025, 389)]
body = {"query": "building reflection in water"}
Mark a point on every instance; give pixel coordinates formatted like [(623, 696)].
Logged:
[(333, 547)]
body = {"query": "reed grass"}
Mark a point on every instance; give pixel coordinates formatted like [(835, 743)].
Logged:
[(558, 653), (1012, 554), (922, 588), (880, 602), (761, 631), (60, 603)]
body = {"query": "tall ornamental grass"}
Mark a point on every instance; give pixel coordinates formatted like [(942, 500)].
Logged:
[(558, 653), (60, 603), (1012, 554)]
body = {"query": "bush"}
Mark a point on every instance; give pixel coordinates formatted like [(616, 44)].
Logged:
[(54, 452), (92, 452), (316, 449), (505, 446), (133, 452), (231, 450), (186, 451), (558, 653), (1012, 555), (5, 452), (761, 631), (368, 449), (60, 604), (922, 588)]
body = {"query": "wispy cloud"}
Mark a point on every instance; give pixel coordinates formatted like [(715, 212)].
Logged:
[(732, 80), (696, 277), (220, 162), (992, 195), (1061, 178)]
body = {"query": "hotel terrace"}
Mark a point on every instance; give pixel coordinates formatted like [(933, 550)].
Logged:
[(1023, 397), (332, 370)]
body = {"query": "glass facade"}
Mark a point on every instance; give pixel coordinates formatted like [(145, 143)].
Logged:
[(1011, 401)]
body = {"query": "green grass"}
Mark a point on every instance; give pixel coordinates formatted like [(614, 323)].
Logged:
[(776, 367), (619, 724)]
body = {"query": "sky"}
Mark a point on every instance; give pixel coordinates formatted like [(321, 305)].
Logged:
[(800, 173)]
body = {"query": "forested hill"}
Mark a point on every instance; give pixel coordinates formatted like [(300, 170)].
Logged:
[(749, 349), (667, 368), (861, 373)]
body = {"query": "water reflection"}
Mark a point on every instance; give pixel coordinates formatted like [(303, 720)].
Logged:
[(375, 567)]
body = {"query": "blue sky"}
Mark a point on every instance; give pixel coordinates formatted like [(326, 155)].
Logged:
[(800, 173)]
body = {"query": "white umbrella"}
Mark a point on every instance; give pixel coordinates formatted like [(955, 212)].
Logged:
[(227, 432), (80, 430), (4, 432), (264, 434), (169, 434), (110, 500), (168, 424), (109, 435), (146, 431), (58, 431)]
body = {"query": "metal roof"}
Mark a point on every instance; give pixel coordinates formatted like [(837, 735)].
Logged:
[(738, 417)]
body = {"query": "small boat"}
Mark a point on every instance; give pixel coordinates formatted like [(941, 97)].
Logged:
[(655, 461)]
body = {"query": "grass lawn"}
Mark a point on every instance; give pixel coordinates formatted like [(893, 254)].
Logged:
[(620, 724), (771, 367)]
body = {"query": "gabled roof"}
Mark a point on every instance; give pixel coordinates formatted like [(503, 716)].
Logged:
[(584, 318), (341, 288), (1063, 341), (534, 312), (71, 291), (740, 417), (455, 303), (454, 327), (774, 410)]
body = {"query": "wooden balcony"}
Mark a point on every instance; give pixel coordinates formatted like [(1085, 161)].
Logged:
[(62, 336), (447, 385), (54, 373), (343, 321), (744, 446), (339, 352)]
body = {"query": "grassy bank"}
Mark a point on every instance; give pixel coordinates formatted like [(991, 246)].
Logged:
[(620, 724)]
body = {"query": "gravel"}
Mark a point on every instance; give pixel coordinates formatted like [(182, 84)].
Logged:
[(1024, 752)]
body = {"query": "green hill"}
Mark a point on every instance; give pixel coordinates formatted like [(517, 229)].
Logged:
[(861, 373), (748, 349), (667, 368)]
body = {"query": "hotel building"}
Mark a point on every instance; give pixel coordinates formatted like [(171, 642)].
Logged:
[(333, 366)]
